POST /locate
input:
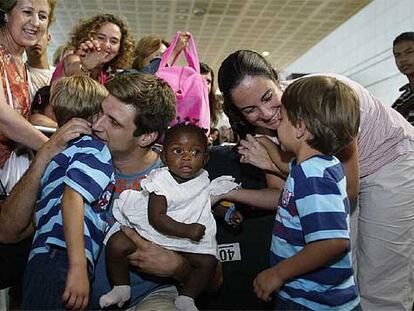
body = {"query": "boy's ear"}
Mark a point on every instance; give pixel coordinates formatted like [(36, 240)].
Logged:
[(300, 129), (147, 139)]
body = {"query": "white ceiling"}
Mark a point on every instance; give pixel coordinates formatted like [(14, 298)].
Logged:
[(285, 28)]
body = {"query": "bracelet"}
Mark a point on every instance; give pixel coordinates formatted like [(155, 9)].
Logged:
[(229, 212)]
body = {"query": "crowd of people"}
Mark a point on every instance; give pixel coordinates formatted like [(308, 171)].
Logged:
[(119, 209)]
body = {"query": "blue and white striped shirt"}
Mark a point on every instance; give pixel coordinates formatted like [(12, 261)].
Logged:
[(314, 206), (85, 166)]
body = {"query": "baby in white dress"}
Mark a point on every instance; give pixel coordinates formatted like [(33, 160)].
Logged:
[(178, 216)]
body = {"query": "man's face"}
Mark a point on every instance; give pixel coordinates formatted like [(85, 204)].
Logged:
[(404, 57), (114, 125), (39, 49)]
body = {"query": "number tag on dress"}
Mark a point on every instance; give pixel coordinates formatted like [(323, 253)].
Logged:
[(229, 252)]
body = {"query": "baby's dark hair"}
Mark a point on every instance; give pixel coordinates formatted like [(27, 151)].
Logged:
[(185, 128), (41, 100)]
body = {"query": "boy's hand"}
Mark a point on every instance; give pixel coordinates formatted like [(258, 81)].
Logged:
[(266, 283), (76, 294), (196, 231)]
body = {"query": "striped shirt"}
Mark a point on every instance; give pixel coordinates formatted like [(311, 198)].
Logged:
[(312, 207), (85, 166), (405, 103)]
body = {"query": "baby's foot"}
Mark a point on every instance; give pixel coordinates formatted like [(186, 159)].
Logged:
[(118, 295)]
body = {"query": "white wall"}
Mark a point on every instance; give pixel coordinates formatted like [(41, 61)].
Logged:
[(361, 48)]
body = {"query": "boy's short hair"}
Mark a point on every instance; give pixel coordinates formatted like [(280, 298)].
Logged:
[(152, 98), (186, 128), (328, 107), (76, 96), (405, 36)]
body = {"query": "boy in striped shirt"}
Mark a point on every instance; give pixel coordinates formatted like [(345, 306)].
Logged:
[(71, 208), (310, 251)]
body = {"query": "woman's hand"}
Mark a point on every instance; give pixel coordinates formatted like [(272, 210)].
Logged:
[(253, 152), (91, 55), (181, 44)]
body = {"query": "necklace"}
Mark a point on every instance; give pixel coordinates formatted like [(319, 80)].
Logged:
[(18, 65)]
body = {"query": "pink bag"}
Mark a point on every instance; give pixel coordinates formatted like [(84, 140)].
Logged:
[(189, 86)]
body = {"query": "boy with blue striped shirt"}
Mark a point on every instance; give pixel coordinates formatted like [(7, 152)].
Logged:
[(310, 251), (71, 209)]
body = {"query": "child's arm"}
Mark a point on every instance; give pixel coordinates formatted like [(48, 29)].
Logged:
[(313, 256), (157, 216), (266, 198), (76, 294)]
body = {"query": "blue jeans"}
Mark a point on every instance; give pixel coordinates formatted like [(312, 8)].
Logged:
[(45, 280), (281, 304)]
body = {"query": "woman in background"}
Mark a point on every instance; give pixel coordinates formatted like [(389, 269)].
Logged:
[(22, 24), (101, 46)]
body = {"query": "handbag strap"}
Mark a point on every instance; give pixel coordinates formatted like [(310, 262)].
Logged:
[(190, 53)]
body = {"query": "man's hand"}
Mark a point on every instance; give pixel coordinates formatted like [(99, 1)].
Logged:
[(76, 294), (266, 283), (71, 130), (153, 259)]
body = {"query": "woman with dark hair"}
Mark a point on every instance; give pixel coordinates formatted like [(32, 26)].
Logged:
[(101, 46), (379, 165), (22, 24)]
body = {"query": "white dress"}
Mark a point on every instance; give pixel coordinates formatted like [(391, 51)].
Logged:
[(188, 202)]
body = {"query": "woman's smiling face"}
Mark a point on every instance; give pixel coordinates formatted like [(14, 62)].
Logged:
[(28, 21), (259, 100)]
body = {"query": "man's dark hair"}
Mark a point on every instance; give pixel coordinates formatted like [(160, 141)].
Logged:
[(405, 36)]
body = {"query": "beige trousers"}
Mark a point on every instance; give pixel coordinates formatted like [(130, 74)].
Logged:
[(385, 242)]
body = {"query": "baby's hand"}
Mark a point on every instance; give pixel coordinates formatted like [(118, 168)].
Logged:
[(196, 231)]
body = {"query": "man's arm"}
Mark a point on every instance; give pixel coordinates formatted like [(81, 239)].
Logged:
[(16, 222)]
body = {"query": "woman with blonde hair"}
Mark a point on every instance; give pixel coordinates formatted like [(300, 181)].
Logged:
[(22, 24)]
